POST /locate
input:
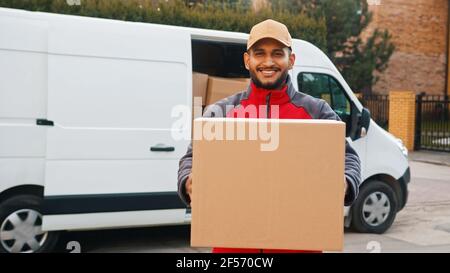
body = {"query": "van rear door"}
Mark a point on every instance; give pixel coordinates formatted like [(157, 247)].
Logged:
[(111, 158)]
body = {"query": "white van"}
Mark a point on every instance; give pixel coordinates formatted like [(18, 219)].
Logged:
[(85, 124)]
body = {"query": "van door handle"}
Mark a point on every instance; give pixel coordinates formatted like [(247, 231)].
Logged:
[(162, 148), (44, 122)]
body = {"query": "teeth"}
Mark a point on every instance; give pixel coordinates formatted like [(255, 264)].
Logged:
[(268, 72)]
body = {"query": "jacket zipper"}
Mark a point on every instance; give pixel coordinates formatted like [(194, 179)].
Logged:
[(268, 105)]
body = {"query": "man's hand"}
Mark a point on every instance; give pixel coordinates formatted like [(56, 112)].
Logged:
[(188, 186), (345, 186)]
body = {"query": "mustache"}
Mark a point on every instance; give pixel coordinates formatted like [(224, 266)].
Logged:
[(274, 68)]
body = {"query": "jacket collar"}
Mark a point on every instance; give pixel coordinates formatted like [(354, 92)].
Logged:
[(258, 96)]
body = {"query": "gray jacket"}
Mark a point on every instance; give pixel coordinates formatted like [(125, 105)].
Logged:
[(314, 108)]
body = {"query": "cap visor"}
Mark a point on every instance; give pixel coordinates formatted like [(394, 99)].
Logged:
[(268, 37)]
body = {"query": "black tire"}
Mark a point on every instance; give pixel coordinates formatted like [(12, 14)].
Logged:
[(374, 218), (24, 206)]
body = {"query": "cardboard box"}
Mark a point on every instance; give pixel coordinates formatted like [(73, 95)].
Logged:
[(288, 198), (199, 85), (219, 88)]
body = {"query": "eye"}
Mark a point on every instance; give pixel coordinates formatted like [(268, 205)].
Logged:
[(279, 54)]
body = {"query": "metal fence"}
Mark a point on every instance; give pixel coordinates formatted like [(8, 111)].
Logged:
[(432, 123), (378, 106)]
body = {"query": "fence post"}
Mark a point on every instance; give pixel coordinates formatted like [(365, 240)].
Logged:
[(418, 133), (446, 107), (402, 116)]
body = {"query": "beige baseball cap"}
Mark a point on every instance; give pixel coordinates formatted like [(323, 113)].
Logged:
[(269, 29)]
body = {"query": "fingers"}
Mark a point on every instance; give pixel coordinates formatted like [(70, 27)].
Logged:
[(189, 185)]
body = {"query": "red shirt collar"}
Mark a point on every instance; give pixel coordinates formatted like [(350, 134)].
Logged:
[(259, 96)]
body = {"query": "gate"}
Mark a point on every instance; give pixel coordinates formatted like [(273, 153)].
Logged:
[(432, 123)]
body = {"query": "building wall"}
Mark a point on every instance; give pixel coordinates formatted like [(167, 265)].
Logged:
[(419, 30)]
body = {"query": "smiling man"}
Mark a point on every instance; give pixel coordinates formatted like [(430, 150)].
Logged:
[(269, 55), (269, 58)]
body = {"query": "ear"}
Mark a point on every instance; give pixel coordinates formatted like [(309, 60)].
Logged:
[(247, 60), (291, 60)]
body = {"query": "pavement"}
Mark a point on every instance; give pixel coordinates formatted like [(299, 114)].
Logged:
[(424, 224), (438, 158)]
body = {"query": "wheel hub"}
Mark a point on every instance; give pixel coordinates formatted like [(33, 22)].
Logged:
[(22, 231), (376, 208)]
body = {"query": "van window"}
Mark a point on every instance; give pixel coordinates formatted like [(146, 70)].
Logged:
[(325, 87)]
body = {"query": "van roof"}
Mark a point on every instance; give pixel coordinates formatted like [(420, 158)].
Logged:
[(307, 54)]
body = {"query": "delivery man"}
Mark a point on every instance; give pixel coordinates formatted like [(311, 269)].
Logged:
[(268, 58)]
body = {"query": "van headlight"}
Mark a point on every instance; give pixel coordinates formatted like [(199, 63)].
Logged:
[(402, 147)]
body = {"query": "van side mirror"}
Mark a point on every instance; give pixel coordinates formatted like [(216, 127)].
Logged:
[(364, 123)]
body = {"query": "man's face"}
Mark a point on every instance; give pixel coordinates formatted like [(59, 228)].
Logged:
[(268, 62)]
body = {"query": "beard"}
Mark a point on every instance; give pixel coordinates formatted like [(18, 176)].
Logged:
[(277, 84)]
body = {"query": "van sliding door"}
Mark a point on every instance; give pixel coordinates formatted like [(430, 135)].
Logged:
[(112, 160)]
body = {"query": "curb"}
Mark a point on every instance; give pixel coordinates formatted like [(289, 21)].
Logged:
[(431, 162)]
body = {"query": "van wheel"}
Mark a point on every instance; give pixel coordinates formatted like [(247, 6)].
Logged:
[(375, 208), (21, 226)]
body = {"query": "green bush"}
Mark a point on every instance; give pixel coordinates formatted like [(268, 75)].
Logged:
[(220, 15)]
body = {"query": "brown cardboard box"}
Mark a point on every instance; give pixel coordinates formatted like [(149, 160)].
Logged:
[(289, 198), (199, 85), (219, 88)]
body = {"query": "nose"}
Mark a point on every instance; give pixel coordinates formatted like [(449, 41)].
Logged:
[(268, 61)]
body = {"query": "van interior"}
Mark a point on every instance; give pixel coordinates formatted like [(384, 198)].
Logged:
[(218, 70), (220, 59)]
